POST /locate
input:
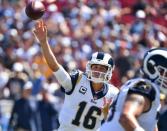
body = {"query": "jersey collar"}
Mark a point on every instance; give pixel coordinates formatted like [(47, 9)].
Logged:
[(101, 93)]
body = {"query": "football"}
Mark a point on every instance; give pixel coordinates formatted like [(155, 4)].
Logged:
[(35, 9)]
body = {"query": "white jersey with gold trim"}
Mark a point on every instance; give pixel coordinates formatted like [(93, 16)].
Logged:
[(81, 110)]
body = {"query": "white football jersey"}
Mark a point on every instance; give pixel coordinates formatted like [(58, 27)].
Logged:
[(81, 110), (147, 120)]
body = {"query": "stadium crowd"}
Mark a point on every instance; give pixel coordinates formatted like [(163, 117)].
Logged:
[(76, 28)]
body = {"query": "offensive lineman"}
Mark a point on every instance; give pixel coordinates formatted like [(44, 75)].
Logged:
[(87, 95), (137, 105)]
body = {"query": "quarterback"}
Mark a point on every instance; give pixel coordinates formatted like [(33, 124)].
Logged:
[(87, 94)]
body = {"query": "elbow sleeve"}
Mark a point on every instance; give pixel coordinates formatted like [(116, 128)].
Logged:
[(63, 78)]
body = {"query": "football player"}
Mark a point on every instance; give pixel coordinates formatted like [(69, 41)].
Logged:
[(87, 95), (138, 102)]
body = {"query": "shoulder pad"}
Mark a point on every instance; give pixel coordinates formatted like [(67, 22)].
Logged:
[(74, 72), (112, 86), (113, 89)]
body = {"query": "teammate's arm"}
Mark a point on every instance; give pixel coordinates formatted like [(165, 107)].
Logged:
[(62, 76), (134, 106)]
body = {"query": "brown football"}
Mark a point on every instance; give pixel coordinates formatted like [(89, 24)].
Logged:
[(35, 10)]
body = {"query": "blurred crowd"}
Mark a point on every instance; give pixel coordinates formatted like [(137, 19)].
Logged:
[(76, 29)]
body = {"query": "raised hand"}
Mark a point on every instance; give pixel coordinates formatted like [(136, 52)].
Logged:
[(40, 31), (106, 107)]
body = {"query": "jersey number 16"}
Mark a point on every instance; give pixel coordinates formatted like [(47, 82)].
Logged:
[(89, 120)]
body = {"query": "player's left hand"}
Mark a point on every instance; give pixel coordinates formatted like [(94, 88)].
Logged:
[(106, 107)]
